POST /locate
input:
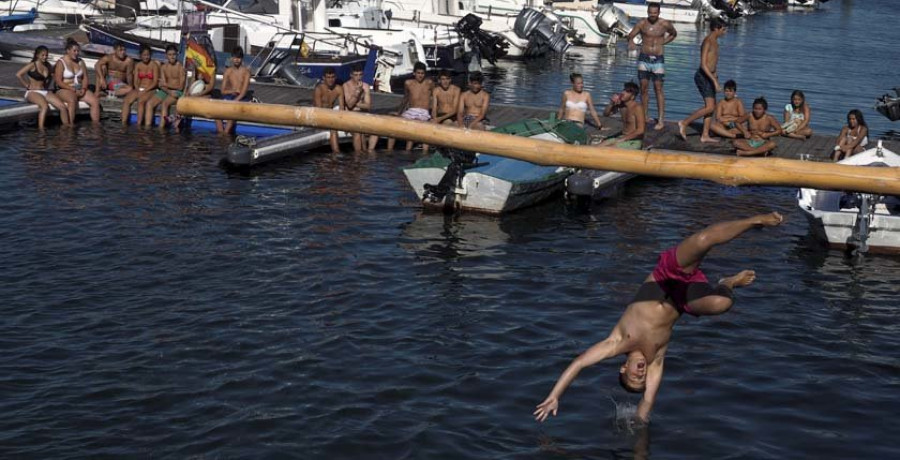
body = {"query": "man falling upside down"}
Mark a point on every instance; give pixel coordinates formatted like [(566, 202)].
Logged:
[(674, 287)]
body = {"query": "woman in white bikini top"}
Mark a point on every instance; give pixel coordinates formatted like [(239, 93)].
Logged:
[(70, 71), (576, 102)]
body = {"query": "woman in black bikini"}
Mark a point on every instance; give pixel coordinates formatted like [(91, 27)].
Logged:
[(36, 77)]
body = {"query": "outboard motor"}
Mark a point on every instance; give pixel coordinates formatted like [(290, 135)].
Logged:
[(460, 161), (488, 46), (708, 10), (541, 32), (611, 20)]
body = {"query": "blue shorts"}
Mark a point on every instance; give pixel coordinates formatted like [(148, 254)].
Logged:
[(230, 97), (706, 86), (651, 67)]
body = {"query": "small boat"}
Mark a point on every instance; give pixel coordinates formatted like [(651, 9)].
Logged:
[(858, 221), (493, 184), (596, 184), (10, 21), (889, 106)]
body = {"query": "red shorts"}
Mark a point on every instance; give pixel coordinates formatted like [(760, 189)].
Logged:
[(674, 281)]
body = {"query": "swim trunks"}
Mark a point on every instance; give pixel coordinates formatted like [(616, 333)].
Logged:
[(674, 281), (468, 119), (633, 144), (163, 94), (416, 114), (231, 97), (113, 84), (756, 143), (651, 67), (731, 125), (706, 86)]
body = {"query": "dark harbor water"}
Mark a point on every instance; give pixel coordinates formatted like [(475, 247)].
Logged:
[(157, 305)]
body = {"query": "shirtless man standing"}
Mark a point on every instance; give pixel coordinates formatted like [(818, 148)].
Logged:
[(235, 82), (171, 87), (762, 127), (330, 95), (707, 81), (474, 104), (632, 118), (358, 98), (730, 114), (642, 334), (416, 101), (655, 33), (114, 72)]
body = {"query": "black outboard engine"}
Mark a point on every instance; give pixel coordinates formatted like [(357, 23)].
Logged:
[(542, 33), (490, 47), (460, 161)]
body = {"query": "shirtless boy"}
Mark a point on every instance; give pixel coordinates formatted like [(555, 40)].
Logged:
[(730, 114), (445, 100), (416, 101), (676, 285), (171, 87), (358, 98), (114, 72), (632, 118), (707, 80), (762, 127), (235, 82), (330, 95), (474, 104), (655, 33)]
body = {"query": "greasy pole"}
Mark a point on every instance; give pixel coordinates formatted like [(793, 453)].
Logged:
[(717, 168)]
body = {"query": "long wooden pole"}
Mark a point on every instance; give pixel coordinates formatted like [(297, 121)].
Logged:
[(717, 168)]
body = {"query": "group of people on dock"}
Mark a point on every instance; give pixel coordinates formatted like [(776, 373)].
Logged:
[(751, 132), (152, 85), (146, 83), (423, 101)]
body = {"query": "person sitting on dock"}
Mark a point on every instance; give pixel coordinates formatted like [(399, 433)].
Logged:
[(444, 101), (707, 80), (576, 103), (676, 286), (113, 72), (146, 80), (730, 114), (474, 105), (171, 87), (69, 76), (853, 138), (330, 95), (632, 118), (416, 101), (235, 86), (796, 117), (36, 77), (655, 34), (762, 127), (358, 98)]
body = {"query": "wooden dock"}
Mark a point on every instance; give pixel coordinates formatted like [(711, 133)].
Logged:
[(819, 147)]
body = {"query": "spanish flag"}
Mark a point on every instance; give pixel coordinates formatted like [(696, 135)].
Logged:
[(204, 60)]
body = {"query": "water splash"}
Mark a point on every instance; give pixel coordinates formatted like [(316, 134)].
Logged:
[(626, 417)]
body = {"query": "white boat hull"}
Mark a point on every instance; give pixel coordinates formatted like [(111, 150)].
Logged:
[(838, 225), (685, 15)]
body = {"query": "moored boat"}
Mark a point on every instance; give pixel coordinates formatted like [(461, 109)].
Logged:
[(490, 183), (860, 221)]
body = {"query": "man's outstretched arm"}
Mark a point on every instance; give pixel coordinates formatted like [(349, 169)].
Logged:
[(654, 379), (600, 351)]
